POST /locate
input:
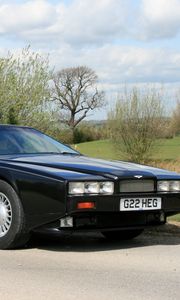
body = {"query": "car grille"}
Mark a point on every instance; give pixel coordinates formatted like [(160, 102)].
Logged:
[(135, 186)]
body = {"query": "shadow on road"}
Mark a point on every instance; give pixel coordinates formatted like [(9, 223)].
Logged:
[(91, 242)]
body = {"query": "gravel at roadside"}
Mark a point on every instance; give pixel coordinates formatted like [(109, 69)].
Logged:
[(172, 227)]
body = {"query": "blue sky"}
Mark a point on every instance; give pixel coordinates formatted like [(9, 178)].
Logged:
[(132, 42)]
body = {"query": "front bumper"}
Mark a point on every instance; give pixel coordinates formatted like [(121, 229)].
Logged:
[(107, 215), (111, 203)]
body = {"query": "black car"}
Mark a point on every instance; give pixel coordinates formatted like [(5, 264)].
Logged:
[(46, 186)]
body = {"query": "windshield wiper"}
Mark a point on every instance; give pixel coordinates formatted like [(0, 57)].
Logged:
[(71, 153), (41, 153), (60, 153)]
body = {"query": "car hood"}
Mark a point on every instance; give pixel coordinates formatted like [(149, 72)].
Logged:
[(85, 165)]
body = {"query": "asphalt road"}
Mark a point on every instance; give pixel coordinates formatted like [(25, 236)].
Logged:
[(90, 267)]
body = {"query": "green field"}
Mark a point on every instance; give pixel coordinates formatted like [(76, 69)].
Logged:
[(168, 149), (165, 149), (102, 148)]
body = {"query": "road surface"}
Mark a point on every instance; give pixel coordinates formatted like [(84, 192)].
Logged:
[(90, 267)]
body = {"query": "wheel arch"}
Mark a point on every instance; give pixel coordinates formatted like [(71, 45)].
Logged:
[(9, 179)]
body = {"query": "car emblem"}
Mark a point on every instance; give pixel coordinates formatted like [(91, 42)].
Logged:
[(138, 176)]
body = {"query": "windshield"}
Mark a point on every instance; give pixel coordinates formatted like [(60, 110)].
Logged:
[(18, 140)]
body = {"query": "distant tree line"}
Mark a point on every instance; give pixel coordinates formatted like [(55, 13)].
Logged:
[(58, 103)]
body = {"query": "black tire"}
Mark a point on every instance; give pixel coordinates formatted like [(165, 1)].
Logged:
[(122, 234), (13, 233)]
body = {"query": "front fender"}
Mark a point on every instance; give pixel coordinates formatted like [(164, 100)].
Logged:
[(43, 198)]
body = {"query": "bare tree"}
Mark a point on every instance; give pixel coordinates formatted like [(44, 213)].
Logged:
[(136, 122), (76, 94)]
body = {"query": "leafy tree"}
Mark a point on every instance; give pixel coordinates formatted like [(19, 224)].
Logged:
[(24, 88), (75, 93), (12, 116), (136, 122)]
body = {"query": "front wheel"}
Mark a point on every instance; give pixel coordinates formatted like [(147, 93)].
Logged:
[(13, 231), (122, 234)]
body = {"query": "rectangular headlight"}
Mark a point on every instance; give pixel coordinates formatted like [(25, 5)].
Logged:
[(76, 188), (168, 186), (107, 187), (91, 187), (175, 186)]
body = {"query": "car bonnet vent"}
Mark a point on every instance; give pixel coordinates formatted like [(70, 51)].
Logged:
[(135, 186)]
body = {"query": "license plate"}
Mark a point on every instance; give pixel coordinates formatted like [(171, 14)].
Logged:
[(131, 204)]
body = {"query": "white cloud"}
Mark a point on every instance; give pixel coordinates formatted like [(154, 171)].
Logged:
[(93, 21), (116, 64), (80, 22), (16, 18), (89, 22), (159, 18)]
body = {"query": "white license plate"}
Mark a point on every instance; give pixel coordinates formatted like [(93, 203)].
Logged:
[(131, 204)]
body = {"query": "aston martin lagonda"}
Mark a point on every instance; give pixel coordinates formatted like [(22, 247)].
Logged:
[(46, 186)]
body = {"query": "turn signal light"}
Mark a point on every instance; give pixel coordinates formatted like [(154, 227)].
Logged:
[(86, 205)]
